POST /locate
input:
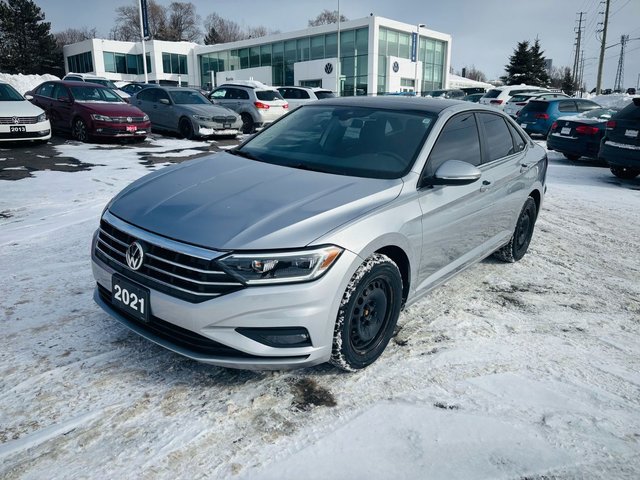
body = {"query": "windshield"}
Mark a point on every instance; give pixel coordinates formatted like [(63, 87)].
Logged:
[(344, 140), (9, 94), (103, 82), (188, 97), (86, 94)]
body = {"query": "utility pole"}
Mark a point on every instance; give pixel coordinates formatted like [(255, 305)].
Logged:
[(619, 82), (576, 61), (581, 76), (602, 47)]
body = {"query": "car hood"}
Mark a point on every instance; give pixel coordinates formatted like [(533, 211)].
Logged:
[(112, 109), (19, 109), (226, 202), (208, 110)]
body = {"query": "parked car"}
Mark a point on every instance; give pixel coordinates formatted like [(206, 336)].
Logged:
[(187, 112), (133, 88), (472, 90), (498, 97), (303, 244), (620, 146), (89, 110), (19, 119), (297, 96), (579, 135), (105, 82), (517, 102), (257, 104), (537, 116), (473, 97), (453, 94)]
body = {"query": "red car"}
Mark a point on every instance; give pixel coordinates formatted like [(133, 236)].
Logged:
[(89, 110)]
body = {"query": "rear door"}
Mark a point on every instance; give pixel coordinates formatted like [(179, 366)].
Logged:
[(144, 100), (63, 108)]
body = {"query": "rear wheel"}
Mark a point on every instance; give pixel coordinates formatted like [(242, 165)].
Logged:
[(186, 128), (519, 243), (571, 157), (247, 123), (79, 130), (368, 313), (625, 172)]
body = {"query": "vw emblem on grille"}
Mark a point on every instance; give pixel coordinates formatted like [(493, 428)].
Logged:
[(135, 256), (129, 119), (328, 68), (15, 120)]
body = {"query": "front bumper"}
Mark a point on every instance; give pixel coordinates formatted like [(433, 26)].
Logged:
[(313, 305), (33, 131), (117, 130)]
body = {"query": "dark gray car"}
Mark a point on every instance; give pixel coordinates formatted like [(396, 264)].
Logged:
[(187, 112), (303, 244)]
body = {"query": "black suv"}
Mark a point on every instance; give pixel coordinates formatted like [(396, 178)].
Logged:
[(620, 146)]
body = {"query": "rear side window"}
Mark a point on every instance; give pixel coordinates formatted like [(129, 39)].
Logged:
[(497, 139), (518, 141), (270, 95), (492, 94), (567, 106), (236, 94), (585, 105), (458, 140)]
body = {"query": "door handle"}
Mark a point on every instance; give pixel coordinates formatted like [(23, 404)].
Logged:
[(485, 186), (525, 166)]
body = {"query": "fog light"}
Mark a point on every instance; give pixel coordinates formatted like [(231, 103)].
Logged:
[(279, 337)]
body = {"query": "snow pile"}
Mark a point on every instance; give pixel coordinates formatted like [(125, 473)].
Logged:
[(24, 83), (615, 100)]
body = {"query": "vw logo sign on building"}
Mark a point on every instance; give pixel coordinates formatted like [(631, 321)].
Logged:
[(135, 256), (396, 67), (328, 68)]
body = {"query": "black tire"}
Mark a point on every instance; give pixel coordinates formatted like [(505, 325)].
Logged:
[(368, 314), (79, 130), (247, 123), (625, 173), (186, 128), (519, 243), (570, 156)]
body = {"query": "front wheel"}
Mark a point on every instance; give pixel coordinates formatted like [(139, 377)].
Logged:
[(624, 172), (80, 131), (368, 313), (186, 129), (519, 243), (247, 123)]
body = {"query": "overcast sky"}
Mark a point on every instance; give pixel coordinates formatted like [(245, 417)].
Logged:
[(484, 32)]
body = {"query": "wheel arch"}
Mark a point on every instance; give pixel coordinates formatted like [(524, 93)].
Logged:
[(401, 259), (537, 197)]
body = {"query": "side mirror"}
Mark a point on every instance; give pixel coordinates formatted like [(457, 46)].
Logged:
[(28, 96), (453, 172), (164, 101)]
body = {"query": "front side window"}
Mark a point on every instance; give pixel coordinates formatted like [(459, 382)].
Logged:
[(45, 90), (458, 140), (343, 140), (497, 139)]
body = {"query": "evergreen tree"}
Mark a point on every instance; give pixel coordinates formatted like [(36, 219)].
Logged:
[(26, 43), (539, 74), (519, 67), (568, 86), (212, 37)]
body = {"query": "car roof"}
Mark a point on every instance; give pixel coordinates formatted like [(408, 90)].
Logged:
[(431, 105), (72, 83)]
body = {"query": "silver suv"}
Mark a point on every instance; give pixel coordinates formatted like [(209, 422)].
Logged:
[(297, 96), (257, 104), (303, 244)]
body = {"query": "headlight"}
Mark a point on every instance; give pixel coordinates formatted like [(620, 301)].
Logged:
[(101, 118), (41, 118), (202, 118), (145, 118), (285, 267)]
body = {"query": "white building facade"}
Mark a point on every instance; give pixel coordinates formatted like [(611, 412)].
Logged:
[(377, 56)]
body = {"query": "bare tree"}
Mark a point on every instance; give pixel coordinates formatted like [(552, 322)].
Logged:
[(182, 22), (221, 30), (127, 25), (326, 17), (74, 35), (474, 74)]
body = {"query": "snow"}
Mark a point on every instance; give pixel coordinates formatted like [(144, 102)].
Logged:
[(614, 100), (24, 83), (508, 371)]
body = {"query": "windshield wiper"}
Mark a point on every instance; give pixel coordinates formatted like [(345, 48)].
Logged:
[(242, 153)]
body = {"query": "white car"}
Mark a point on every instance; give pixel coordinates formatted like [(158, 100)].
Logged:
[(517, 102), (498, 97), (105, 82), (297, 96), (20, 119)]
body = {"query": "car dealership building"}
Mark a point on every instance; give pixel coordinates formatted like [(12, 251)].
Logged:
[(377, 55)]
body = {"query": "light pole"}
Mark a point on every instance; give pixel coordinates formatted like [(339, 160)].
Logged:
[(338, 91), (415, 80)]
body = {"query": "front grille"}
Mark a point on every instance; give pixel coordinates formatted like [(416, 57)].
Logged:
[(224, 119), (120, 131), (18, 120), (124, 119), (180, 275), (184, 338)]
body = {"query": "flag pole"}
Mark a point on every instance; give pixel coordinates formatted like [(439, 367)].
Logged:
[(144, 51)]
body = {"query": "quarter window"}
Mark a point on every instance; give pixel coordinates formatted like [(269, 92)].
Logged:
[(458, 140), (498, 141)]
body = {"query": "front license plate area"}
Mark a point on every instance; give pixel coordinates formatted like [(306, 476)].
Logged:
[(130, 298), (131, 128), (17, 129), (631, 133), (565, 131)]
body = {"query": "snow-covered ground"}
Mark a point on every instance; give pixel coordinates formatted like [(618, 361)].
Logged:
[(24, 83), (530, 370)]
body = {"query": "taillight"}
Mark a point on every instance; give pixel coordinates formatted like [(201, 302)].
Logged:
[(285, 106), (496, 102), (586, 130), (542, 116), (611, 124), (261, 105), (554, 125)]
